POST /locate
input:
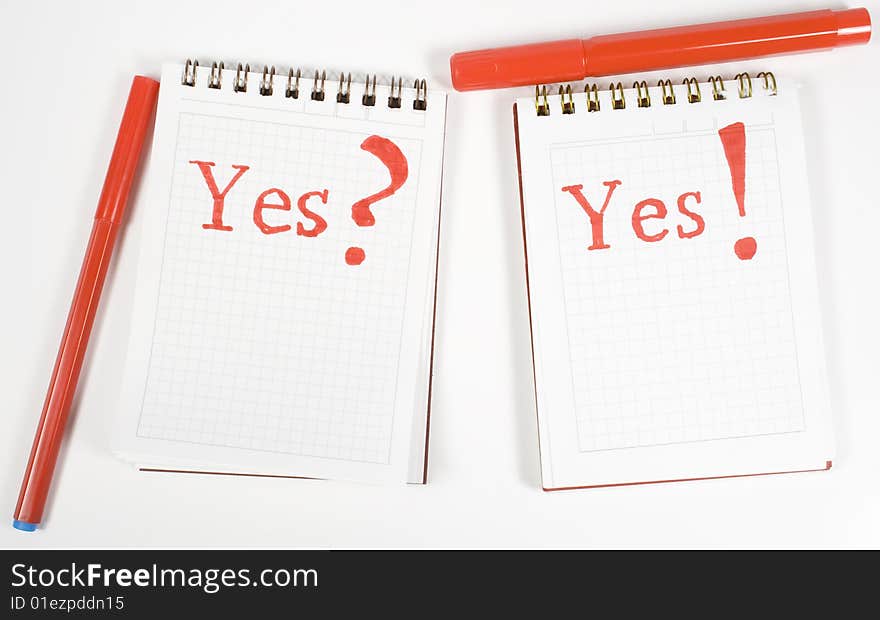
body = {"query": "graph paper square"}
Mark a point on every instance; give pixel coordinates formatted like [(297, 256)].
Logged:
[(660, 354), (269, 348)]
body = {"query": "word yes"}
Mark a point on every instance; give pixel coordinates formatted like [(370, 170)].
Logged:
[(281, 202), (647, 209), (383, 149)]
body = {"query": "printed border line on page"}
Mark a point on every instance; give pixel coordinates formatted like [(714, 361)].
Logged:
[(769, 127), (406, 293), (409, 262), (788, 275), (161, 276), (655, 136), (175, 162)]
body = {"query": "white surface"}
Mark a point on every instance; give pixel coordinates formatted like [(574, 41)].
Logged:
[(483, 489), (269, 354), (672, 359)]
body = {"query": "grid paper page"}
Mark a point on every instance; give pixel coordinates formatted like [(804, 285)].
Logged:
[(650, 330), (707, 339), (270, 351)]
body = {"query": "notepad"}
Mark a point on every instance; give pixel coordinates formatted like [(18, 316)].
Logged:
[(674, 309), (283, 318)]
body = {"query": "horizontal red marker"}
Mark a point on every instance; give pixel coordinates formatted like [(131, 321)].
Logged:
[(631, 52)]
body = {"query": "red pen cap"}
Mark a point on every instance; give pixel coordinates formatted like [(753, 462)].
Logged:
[(519, 65), (574, 59)]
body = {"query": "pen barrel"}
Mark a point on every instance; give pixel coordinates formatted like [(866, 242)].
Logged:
[(724, 41), (573, 59), (68, 364)]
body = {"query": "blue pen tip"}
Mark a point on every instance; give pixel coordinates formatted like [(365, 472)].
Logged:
[(24, 526)]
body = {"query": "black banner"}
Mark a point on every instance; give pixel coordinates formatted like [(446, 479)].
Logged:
[(243, 584)]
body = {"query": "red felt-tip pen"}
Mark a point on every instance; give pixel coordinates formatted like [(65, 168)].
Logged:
[(62, 385), (575, 59)]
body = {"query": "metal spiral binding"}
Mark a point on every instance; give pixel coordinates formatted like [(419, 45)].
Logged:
[(542, 107), (667, 93), (240, 85), (745, 85), (421, 100), (266, 87), (643, 97), (717, 87), (369, 98), (592, 98), (567, 106), (643, 93), (693, 86), (769, 81), (617, 103), (267, 84), (189, 72), (318, 93), (394, 99), (292, 91), (216, 75), (344, 96)]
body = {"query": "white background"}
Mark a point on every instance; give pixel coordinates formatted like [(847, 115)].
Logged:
[(67, 68)]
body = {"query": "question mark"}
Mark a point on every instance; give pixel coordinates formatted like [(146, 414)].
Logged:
[(393, 159)]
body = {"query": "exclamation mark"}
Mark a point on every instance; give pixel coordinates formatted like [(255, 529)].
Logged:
[(733, 138)]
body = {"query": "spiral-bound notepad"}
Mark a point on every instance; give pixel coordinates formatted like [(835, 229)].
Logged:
[(674, 309), (285, 300)]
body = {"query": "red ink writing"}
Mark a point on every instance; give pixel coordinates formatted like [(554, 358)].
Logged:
[(637, 219), (354, 256), (216, 194), (647, 209), (320, 224), (262, 204), (275, 199), (392, 158), (596, 217), (698, 220), (733, 139)]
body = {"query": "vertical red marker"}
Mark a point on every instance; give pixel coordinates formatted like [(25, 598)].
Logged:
[(62, 385)]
